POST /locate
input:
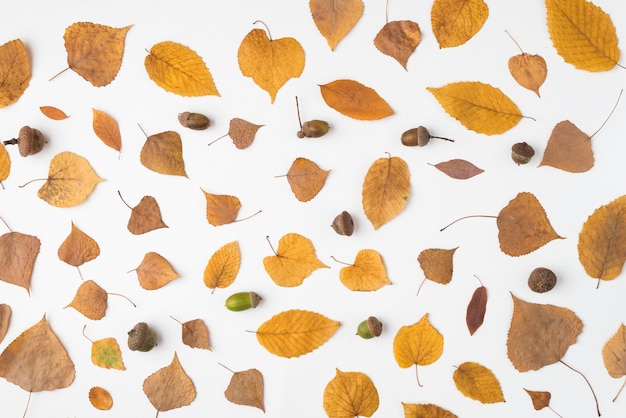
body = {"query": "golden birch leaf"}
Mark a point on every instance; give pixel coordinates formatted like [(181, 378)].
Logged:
[(106, 353), (246, 388), (223, 266), (306, 179), (18, 253), (107, 129), (295, 332), (568, 149), (53, 113), (71, 180), (355, 100), (437, 264), (614, 353), (456, 22), (163, 153), (100, 398), (294, 261), (170, 387), (386, 189), (5, 320), (412, 410), (155, 271), (530, 71), (368, 272), (398, 39), (90, 300), (350, 394), (583, 34), (14, 71), (95, 51), (179, 70), (5, 165), (478, 382), (144, 217), (479, 107), (602, 241), (335, 18), (270, 62), (78, 248), (221, 209)]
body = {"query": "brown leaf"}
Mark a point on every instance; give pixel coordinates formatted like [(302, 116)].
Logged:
[(458, 169), (95, 51), (155, 272), (614, 353), (14, 71), (540, 399), (37, 360), (478, 382), (107, 129), (306, 179), (18, 253), (456, 22), (5, 165), (437, 264), (368, 272), (196, 334), (355, 100), (476, 309), (530, 71), (163, 153), (221, 209), (223, 266), (106, 353), (386, 189), (170, 387), (145, 217), (242, 132), (398, 39), (5, 320), (100, 398), (350, 394), (90, 300), (540, 334), (335, 18), (246, 388), (78, 248), (412, 410), (53, 113), (568, 149), (294, 261)]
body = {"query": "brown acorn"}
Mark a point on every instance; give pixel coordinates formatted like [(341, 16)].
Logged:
[(343, 224), (311, 129), (141, 338), (370, 328), (418, 137), (541, 280), (29, 141), (521, 153), (195, 121)]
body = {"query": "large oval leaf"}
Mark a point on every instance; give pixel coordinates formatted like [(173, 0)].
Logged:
[(456, 22), (478, 382), (14, 71), (355, 100), (386, 188)]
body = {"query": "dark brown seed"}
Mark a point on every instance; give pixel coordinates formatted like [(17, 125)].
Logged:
[(141, 338), (522, 153), (314, 129), (29, 141), (541, 280), (196, 121), (343, 224)]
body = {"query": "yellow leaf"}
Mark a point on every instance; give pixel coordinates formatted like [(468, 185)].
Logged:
[(350, 394), (14, 71), (457, 21), (221, 209), (614, 353), (53, 113), (355, 100), (163, 153), (223, 266), (78, 248), (90, 300), (295, 332), (479, 107), (412, 410), (583, 34), (155, 271), (270, 63), (294, 261), (100, 398), (179, 70), (5, 164), (478, 382), (106, 353), (170, 387), (335, 18), (530, 71), (366, 274), (386, 188), (107, 129), (306, 179)]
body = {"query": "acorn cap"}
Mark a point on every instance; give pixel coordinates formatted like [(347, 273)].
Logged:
[(541, 280)]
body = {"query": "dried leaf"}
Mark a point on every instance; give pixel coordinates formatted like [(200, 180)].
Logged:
[(437, 264), (458, 169), (5, 320), (602, 241), (582, 34), (53, 113), (386, 188), (246, 388), (5, 165), (95, 51), (398, 39), (37, 360), (223, 266), (419, 344), (179, 70), (107, 129), (614, 353), (350, 394), (71, 180), (478, 382), (90, 300), (476, 309), (456, 22), (78, 248), (270, 62), (145, 217), (221, 209), (335, 18), (530, 71), (14, 71), (106, 353), (196, 334), (170, 387), (306, 179), (155, 272), (540, 334), (368, 272), (163, 153), (295, 332), (523, 226), (478, 106), (18, 253), (540, 400), (242, 132), (412, 410), (355, 100), (100, 398), (568, 149), (294, 261)]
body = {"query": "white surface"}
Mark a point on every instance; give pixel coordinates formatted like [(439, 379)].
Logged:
[(294, 387)]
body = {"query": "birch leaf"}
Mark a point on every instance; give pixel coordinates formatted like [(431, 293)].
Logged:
[(398, 39), (5, 165), (412, 410), (355, 100), (614, 355), (568, 149), (350, 394), (246, 388), (90, 300), (196, 334), (437, 264), (294, 261), (18, 253), (145, 217), (107, 129), (170, 387), (368, 273), (335, 18), (530, 71), (78, 248), (306, 179), (163, 153), (5, 320), (540, 400), (223, 266), (221, 209), (456, 22), (155, 271), (106, 353), (478, 382), (14, 71)]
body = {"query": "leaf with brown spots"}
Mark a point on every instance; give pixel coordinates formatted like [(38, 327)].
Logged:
[(350, 394), (169, 387), (398, 39), (163, 153), (246, 388), (335, 18), (90, 300), (155, 271), (306, 179)]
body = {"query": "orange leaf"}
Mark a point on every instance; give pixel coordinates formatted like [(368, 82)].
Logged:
[(456, 22), (295, 332), (5, 320), (246, 388), (90, 300), (221, 209), (355, 100), (530, 71), (335, 18), (458, 169), (412, 410), (437, 264), (163, 153), (478, 382), (196, 334), (53, 112), (270, 63), (386, 188), (614, 353), (350, 394), (5, 165), (155, 272), (14, 71), (107, 129), (223, 266), (106, 353), (398, 39), (306, 179), (100, 398), (78, 248), (366, 274), (170, 387), (476, 309), (95, 51), (294, 261), (540, 400), (145, 217), (242, 132), (568, 149), (18, 253)]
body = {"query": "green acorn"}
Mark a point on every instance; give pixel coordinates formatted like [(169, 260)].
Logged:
[(370, 328), (242, 301)]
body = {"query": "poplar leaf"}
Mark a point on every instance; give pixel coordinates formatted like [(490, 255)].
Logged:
[(107, 129), (196, 334), (155, 271), (90, 300), (100, 398), (14, 71), (295, 332), (242, 132), (398, 39), (456, 22), (306, 179), (18, 253), (5, 165), (583, 34), (412, 410), (78, 248), (169, 387), (221, 209), (614, 353), (479, 107), (368, 273), (180, 70), (530, 71), (53, 113), (540, 400), (568, 149), (335, 18), (478, 382), (458, 169), (246, 388), (476, 309), (163, 153), (437, 264), (5, 320), (223, 266), (293, 262), (355, 100), (145, 217), (106, 353), (350, 394)]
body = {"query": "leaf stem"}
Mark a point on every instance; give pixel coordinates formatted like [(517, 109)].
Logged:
[(619, 391), (6, 224), (226, 367), (84, 335), (119, 294), (31, 181), (215, 140), (267, 237), (479, 281), (120, 194), (58, 74), (387, 11), (418, 378), (298, 111), (557, 414), (2, 186), (80, 273), (513, 39), (610, 114), (341, 262), (144, 132), (249, 216), (420, 287), (467, 217), (269, 35), (588, 384), (30, 393)]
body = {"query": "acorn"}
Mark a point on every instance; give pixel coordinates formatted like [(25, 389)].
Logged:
[(343, 224), (370, 328), (141, 338), (29, 141), (311, 129), (521, 153), (418, 137), (195, 121), (242, 301), (541, 280)]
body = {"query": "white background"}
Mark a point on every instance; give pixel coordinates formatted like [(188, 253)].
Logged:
[(294, 387)]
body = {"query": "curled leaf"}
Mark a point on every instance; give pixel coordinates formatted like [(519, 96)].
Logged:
[(170, 387), (350, 394), (478, 382), (456, 22), (355, 100), (368, 272), (568, 149), (398, 39), (14, 71), (163, 153), (335, 18), (100, 398), (306, 179), (53, 113), (155, 271), (246, 388), (293, 262), (458, 169), (223, 266), (90, 300), (107, 129)]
